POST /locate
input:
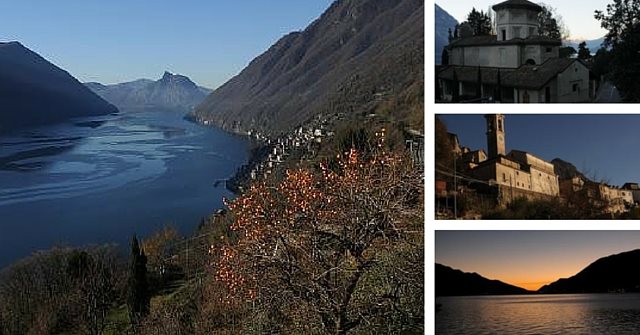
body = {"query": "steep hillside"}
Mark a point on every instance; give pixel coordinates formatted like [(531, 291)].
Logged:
[(451, 282), (171, 92), (615, 273), (444, 22), (33, 91), (359, 57)]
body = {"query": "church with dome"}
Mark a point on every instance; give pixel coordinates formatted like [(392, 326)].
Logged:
[(513, 65)]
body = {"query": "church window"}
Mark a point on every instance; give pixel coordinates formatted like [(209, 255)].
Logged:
[(549, 49), (504, 34), (575, 87), (499, 125)]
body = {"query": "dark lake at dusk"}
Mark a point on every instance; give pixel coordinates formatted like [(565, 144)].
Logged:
[(100, 180), (540, 314)]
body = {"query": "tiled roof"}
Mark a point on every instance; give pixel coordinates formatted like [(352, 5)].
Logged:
[(526, 76), (493, 40), (517, 4)]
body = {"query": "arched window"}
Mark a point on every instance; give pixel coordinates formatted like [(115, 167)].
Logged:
[(530, 62)]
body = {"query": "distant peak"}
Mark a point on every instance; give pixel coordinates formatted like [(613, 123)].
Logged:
[(167, 75), (12, 43)]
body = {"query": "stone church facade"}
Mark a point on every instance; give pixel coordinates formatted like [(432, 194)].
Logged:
[(516, 65), (518, 174)]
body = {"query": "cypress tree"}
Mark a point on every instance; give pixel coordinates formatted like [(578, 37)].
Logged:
[(138, 299)]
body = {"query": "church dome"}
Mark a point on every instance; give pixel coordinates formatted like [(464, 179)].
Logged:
[(519, 4)]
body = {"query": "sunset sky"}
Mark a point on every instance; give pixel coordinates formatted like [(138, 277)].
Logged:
[(577, 15), (529, 259), (604, 147)]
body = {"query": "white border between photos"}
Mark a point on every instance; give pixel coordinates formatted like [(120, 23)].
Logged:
[(431, 225)]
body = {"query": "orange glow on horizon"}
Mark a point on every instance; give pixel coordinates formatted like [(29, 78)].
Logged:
[(531, 286)]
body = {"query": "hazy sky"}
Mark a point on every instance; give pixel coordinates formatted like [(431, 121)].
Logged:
[(529, 259), (120, 40), (577, 15), (602, 146)]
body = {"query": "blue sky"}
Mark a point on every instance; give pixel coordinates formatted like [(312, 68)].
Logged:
[(121, 40), (529, 259), (603, 145), (577, 15)]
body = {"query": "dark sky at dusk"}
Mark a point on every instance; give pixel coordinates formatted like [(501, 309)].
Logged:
[(607, 146), (529, 259)]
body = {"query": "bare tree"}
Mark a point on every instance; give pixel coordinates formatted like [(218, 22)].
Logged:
[(313, 247)]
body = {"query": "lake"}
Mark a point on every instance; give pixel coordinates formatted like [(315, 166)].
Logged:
[(540, 314), (102, 179)]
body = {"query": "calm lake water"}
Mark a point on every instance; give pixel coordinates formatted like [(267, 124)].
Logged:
[(540, 314), (100, 180)]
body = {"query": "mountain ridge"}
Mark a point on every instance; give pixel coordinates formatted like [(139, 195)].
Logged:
[(172, 92), (454, 282), (34, 91), (613, 273), (355, 51)]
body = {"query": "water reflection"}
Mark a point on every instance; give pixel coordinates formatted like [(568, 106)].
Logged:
[(540, 314)]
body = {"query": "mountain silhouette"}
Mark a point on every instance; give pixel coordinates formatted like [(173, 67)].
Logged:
[(452, 282), (34, 91), (615, 273)]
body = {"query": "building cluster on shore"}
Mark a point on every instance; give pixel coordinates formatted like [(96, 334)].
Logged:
[(519, 174), (302, 138)]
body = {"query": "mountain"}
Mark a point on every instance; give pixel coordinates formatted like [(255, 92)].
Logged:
[(33, 91), (615, 273), (444, 22), (593, 45), (451, 282), (171, 92), (357, 58), (565, 170)]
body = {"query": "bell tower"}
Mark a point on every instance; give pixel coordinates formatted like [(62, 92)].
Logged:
[(495, 135)]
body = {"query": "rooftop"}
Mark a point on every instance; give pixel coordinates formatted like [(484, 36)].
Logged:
[(493, 40), (523, 4), (526, 76)]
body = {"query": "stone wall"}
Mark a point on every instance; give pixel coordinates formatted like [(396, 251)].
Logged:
[(576, 74)]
